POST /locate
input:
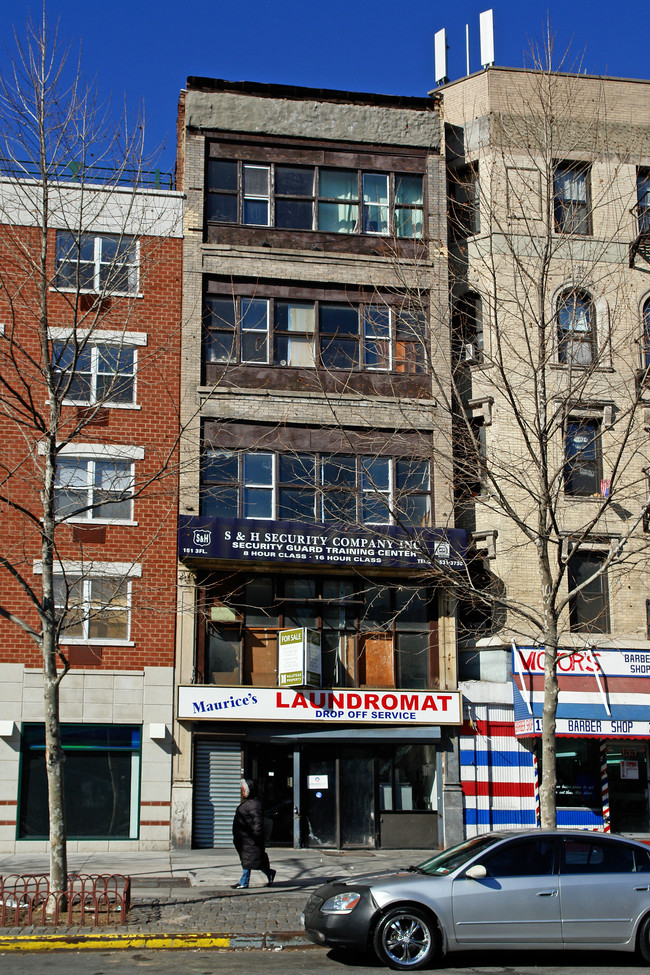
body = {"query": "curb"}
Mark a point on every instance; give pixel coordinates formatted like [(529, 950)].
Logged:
[(107, 942)]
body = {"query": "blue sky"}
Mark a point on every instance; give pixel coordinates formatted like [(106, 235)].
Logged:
[(146, 50)]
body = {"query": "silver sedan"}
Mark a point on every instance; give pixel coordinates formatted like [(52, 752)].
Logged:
[(539, 889)]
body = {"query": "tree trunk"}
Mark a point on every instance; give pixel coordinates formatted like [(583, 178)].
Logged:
[(547, 790)]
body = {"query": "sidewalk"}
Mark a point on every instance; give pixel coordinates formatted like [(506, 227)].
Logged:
[(183, 898)]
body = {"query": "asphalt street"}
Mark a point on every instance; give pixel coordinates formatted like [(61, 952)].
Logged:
[(297, 962)]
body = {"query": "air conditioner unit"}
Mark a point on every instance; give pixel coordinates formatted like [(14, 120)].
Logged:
[(469, 351)]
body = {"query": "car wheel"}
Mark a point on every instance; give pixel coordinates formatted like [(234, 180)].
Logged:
[(406, 939), (644, 939)]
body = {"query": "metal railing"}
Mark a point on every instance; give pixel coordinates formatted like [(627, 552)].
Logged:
[(89, 899), (73, 172)]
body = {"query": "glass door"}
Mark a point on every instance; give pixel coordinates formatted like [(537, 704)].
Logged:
[(357, 797), (338, 797), (318, 797), (627, 771), (272, 768)]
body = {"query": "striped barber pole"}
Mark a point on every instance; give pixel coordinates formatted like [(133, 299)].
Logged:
[(604, 787), (536, 780)]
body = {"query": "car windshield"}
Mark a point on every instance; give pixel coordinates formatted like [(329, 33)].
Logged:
[(448, 860)]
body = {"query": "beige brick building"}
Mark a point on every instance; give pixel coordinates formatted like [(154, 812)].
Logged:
[(549, 216), (314, 300)]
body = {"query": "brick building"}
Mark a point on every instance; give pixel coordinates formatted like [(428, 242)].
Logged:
[(312, 516), (113, 332), (548, 185)]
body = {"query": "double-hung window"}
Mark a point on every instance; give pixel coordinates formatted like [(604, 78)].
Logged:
[(235, 329), (643, 200), (328, 488), (464, 215), (572, 206), (645, 341), (294, 197), (589, 604), (582, 457), (93, 489), (105, 264), (256, 189), (294, 324), (576, 328), (93, 372), (93, 601)]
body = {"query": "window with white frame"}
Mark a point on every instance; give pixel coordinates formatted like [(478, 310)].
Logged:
[(101, 263), (95, 482), (86, 489), (576, 328), (93, 600), (94, 370), (348, 488)]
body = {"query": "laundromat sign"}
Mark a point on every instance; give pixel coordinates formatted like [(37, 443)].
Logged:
[(298, 543), (404, 707)]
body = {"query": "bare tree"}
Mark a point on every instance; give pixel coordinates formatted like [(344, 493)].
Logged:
[(539, 382), (72, 215)]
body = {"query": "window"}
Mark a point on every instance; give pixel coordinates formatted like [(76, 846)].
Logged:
[(93, 489), (95, 372), (256, 195), (467, 327), (586, 856), (589, 606), (106, 264), (578, 774), (330, 488), (464, 214), (582, 453), (372, 635), (576, 328), (95, 605), (643, 200), (332, 200), (645, 342), (572, 206), (102, 777), (522, 858), (407, 779), (304, 334)]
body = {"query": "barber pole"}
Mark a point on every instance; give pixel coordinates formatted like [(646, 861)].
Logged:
[(604, 787)]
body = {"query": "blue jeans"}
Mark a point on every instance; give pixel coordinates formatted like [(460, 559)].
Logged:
[(245, 877)]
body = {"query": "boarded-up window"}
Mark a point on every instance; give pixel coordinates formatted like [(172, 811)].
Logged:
[(376, 660), (260, 657)]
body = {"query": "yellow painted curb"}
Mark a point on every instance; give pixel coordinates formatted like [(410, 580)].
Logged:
[(96, 942)]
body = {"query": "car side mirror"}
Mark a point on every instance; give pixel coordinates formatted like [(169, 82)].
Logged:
[(476, 872)]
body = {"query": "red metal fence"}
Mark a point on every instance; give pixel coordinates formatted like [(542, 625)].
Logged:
[(90, 899)]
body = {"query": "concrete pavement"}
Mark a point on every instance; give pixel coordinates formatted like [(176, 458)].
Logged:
[(184, 898)]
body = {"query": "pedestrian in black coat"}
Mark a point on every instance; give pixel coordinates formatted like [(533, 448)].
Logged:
[(248, 835)]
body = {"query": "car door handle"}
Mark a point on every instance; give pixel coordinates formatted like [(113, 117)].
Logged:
[(642, 888), (547, 893)]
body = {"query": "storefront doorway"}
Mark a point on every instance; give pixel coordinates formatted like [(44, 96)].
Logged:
[(338, 798), (272, 768), (627, 772)]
